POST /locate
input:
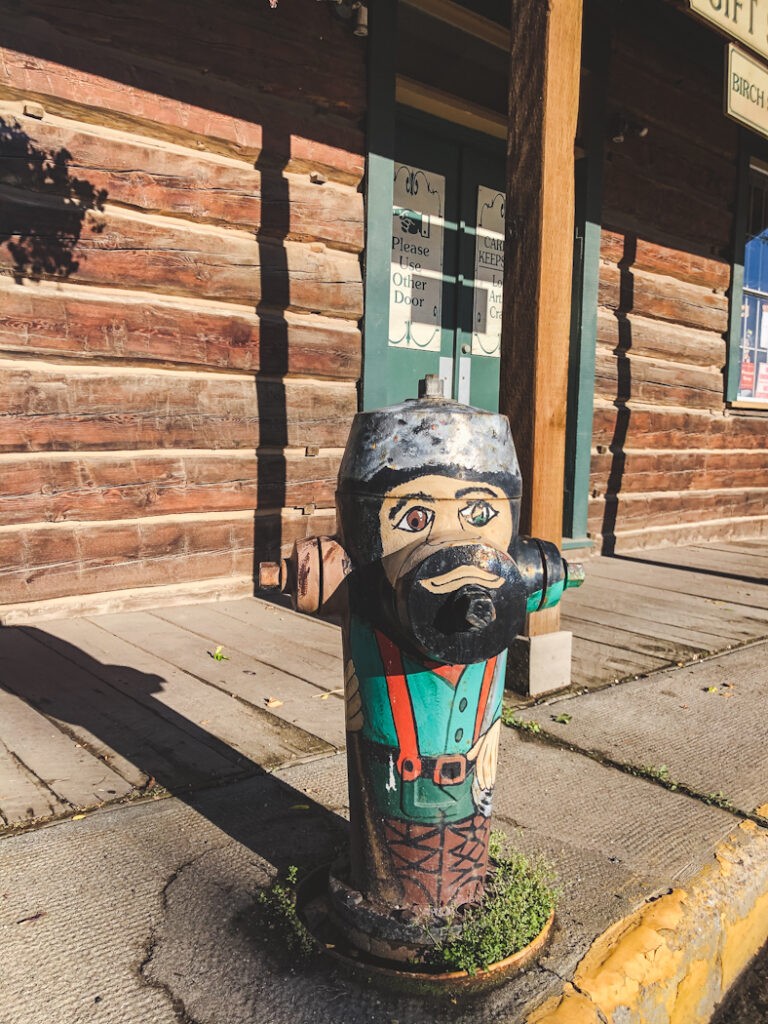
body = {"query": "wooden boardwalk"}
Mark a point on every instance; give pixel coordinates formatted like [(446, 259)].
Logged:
[(116, 707)]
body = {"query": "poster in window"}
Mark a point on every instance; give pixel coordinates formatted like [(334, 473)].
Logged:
[(489, 272), (747, 378), (761, 391), (416, 265)]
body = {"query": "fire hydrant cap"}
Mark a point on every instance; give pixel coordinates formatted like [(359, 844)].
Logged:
[(429, 435)]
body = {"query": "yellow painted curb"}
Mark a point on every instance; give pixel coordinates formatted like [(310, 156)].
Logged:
[(673, 959)]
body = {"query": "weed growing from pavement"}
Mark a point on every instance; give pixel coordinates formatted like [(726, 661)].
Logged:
[(508, 717), (520, 895), (719, 799), (277, 905)]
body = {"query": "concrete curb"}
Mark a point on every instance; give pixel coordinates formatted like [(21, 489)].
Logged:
[(674, 959)]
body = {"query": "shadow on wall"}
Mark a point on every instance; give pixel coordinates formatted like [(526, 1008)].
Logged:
[(41, 233), (623, 395)]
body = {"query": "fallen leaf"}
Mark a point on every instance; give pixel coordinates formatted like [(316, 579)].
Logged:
[(326, 694), (299, 807), (562, 719), (77, 817), (711, 689), (273, 702)]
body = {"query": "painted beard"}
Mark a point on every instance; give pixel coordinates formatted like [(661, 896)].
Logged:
[(460, 604)]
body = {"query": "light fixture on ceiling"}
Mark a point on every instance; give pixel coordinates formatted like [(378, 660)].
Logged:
[(352, 9)]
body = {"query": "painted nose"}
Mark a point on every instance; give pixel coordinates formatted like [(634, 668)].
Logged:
[(470, 609)]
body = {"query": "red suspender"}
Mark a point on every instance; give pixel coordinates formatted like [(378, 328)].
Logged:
[(485, 689), (408, 760)]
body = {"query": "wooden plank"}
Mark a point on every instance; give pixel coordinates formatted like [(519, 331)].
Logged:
[(248, 737), (663, 298), (627, 641), (216, 588), (666, 428), (133, 739), (98, 324), (595, 663), (263, 616), (52, 238), (666, 260), (299, 657), (682, 470), (700, 559), (250, 48), (660, 338), (274, 689), (650, 573), (631, 377), (49, 561), (128, 91), (642, 539), (48, 407), (45, 488), (146, 175), (650, 603), (619, 618), (23, 797), (624, 511), (543, 104)]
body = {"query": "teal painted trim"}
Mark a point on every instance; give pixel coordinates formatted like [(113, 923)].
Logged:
[(382, 41), (534, 602), (733, 370), (586, 277), (553, 594), (572, 543)]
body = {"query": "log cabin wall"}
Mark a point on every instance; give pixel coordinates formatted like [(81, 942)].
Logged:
[(181, 225), (671, 464)]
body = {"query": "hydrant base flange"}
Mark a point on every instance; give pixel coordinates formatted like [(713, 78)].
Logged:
[(314, 908)]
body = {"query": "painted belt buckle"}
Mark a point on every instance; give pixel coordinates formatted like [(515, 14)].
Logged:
[(443, 776)]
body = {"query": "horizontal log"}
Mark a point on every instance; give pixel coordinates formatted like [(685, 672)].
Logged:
[(159, 178), (178, 104), (95, 324), (43, 488), (629, 377), (63, 409), (245, 46), (637, 472), (660, 338), (662, 298), (651, 510), (56, 241), (44, 562), (708, 272), (675, 428), (684, 533)]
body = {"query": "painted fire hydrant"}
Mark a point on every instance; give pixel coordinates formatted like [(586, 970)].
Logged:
[(437, 585)]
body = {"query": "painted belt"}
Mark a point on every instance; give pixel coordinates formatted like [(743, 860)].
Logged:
[(445, 770)]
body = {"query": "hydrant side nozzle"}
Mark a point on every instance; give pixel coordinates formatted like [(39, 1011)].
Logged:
[(574, 574), (273, 575)]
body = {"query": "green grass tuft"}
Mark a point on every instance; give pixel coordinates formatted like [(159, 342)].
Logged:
[(520, 895)]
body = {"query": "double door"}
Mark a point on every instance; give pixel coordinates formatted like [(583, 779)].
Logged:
[(447, 265)]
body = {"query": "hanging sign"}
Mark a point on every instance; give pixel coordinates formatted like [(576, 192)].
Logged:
[(416, 269), (746, 90), (489, 272), (745, 20)]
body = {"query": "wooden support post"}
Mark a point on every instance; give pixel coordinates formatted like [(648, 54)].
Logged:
[(543, 108)]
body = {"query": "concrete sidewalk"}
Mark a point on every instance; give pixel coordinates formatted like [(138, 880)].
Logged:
[(648, 795)]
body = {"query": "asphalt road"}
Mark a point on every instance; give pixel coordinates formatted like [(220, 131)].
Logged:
[(748, 1003)]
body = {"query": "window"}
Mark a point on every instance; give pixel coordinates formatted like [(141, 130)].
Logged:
[(750, 376)]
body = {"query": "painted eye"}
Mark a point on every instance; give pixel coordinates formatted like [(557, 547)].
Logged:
[(478, 513), (416, 519)]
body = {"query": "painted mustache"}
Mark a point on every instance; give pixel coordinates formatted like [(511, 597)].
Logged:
[(461, 576)]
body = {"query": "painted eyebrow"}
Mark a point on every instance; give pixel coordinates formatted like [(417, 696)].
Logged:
[(409, 497), (464, 491)]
